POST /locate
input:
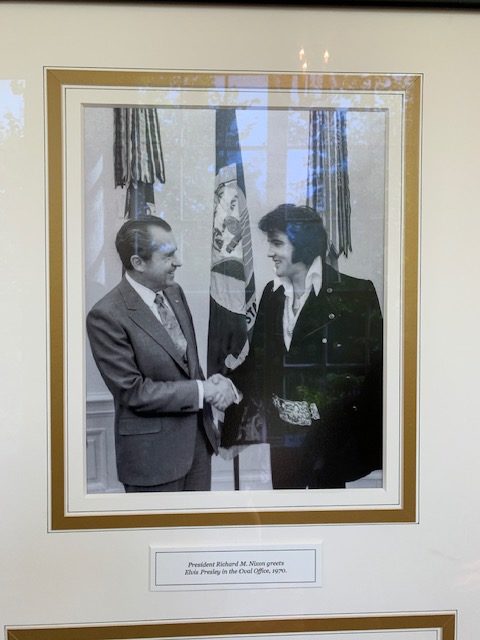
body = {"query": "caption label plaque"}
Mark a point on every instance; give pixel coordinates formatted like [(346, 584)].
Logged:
[(248, 567)]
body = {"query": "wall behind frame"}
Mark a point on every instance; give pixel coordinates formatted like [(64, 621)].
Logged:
[(87, 577)]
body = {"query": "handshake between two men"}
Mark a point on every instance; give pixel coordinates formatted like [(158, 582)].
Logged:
[(220, 391)]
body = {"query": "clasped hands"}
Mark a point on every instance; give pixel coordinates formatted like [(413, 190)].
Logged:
[(219, 391)]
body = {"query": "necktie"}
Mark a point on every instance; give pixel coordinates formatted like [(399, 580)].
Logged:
[(170, 322)]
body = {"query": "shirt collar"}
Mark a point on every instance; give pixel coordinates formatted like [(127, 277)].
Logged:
[(146, 294), (312, 279)]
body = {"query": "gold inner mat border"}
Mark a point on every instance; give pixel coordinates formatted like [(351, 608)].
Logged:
[(56, 80), (443, 622)]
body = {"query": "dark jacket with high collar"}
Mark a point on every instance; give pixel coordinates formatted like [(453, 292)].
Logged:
[(334, 361), (155, 391)]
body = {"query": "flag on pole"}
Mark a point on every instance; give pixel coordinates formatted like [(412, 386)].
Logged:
[(327, 182), (232, 285), (138, 158)]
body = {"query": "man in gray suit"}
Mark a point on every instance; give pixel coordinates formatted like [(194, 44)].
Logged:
[(143, 341)]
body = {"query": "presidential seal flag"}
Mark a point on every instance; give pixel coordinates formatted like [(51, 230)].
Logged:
[(232, 285)]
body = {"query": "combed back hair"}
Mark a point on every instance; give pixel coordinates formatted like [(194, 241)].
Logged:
[(303, 227), (134, 238)]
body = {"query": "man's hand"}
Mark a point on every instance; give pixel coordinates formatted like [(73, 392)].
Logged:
[(219, 391)]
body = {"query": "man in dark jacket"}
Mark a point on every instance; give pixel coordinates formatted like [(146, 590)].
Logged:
[(314, 371)]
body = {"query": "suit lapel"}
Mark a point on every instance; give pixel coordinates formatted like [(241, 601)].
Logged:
[(144, 318), (318, 311), (275, 323)]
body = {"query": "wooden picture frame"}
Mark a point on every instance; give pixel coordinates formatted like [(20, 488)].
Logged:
[(382, 627)]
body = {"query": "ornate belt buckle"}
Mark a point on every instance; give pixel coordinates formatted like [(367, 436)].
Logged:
[(298, 412)]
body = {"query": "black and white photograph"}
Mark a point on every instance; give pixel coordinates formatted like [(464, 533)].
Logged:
[(242, 257)]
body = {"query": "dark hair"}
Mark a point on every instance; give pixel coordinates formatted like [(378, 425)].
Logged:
[(134, 238), (304, 229)]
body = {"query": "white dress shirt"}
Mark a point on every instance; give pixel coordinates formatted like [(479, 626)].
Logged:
[(313, 280)]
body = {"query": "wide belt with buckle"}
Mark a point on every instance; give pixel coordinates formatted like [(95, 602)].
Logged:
[(297, 412)]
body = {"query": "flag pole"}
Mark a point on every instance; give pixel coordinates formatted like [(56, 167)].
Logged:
[(232, 283)]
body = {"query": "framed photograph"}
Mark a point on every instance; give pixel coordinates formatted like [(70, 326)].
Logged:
[(322, 365), (429, 626)]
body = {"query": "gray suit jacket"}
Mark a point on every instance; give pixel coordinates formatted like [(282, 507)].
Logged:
[(155, 392)]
